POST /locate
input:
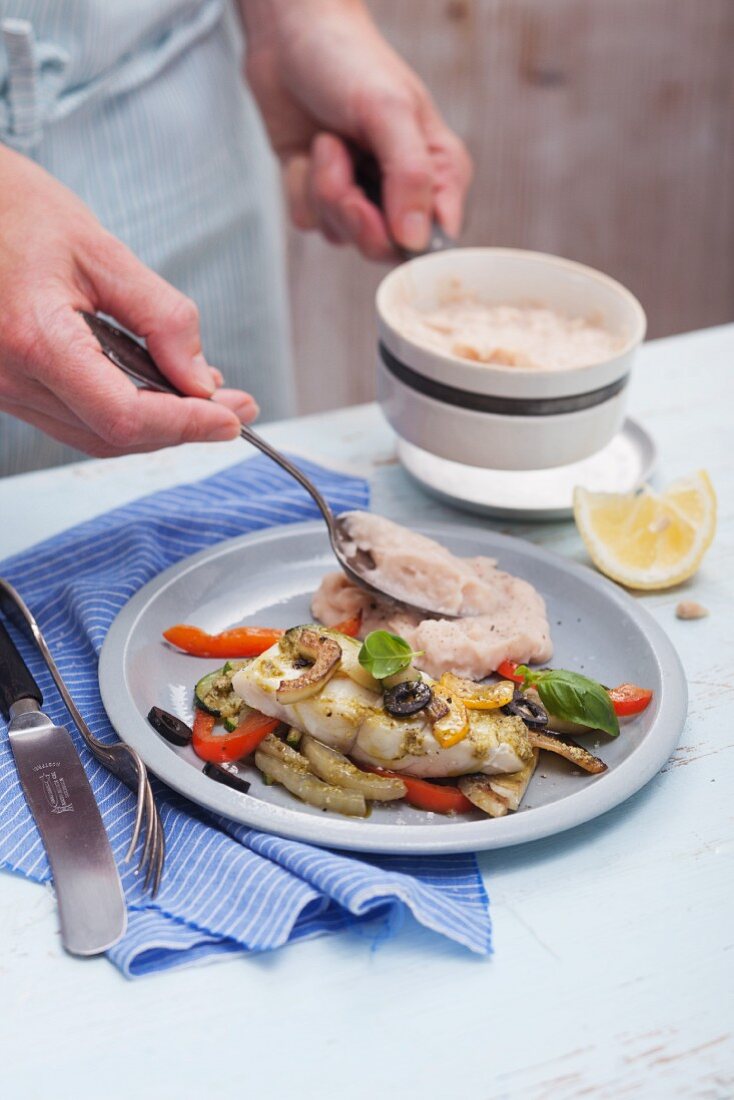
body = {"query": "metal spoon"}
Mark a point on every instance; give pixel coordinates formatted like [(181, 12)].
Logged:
[(132, 358)]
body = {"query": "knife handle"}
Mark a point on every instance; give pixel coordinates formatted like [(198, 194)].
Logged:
[(16, 681)]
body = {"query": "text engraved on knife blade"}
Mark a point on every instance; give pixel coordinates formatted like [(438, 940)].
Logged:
[(55, 788)]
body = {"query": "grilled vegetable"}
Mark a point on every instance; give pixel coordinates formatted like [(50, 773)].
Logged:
[(278, 762), (325, 653), (454, 725), (437, 798), (169, 726), (407, 697), (508, 671), (478, 789), (512, 787), (496, 794), (217, 748), (571, 750), (243, 641), (214, 692), (478, 696), (334, 767)]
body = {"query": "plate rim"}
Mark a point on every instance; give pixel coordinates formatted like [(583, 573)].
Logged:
[(597, 798)]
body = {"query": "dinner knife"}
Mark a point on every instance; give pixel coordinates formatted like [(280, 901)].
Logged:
[(92, 911)]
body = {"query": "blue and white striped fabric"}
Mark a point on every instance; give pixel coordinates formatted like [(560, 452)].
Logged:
[(228, 889)]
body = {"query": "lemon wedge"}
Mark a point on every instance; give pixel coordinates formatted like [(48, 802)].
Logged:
[(645, 539)]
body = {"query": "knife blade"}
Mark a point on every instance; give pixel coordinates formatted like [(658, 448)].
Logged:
[(92, 911)]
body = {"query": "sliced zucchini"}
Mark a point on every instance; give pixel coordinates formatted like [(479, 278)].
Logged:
[(214, 694)]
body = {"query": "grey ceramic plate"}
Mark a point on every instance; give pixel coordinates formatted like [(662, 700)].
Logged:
[(267, 578), (623, 465)]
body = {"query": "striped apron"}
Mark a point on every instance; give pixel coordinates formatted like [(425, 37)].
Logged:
[(140, 108)]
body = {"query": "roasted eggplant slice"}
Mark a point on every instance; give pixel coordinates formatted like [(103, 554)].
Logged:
[(512, 787), (496, 794), (477, 789), (566, 747)]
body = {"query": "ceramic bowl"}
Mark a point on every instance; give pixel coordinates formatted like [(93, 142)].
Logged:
[(499, 417)]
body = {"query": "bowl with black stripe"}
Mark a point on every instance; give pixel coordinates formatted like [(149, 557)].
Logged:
[(491, 415)]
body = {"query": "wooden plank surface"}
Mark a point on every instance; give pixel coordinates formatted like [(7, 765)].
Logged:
[(602, 130)]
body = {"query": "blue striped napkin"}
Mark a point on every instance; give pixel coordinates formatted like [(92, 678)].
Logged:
[(227, 889)]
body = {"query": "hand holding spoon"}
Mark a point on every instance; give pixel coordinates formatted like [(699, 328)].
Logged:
[(132, 358)]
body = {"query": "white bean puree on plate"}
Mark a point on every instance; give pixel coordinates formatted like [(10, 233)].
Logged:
[(505, 616)]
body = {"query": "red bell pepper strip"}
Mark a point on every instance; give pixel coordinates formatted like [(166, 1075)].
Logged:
[(507, 671), (242, 641), (629, 699), (220, 747), (437, 798)]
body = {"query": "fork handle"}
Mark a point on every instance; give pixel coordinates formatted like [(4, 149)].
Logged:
[(16, 681)]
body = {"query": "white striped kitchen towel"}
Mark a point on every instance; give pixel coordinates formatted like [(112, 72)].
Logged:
[(227, 889)]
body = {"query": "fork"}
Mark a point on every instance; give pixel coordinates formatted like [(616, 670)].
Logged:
[(118, 758)]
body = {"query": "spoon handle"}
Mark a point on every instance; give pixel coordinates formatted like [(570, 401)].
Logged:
[(368, 176), (132, 358)]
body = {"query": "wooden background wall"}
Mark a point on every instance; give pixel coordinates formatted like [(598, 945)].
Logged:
[(602, 130)]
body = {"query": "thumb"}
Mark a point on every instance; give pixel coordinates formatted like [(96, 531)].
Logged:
[(397, 140), (150, 307)]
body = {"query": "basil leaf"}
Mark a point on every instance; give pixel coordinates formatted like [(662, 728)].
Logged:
[(383, 654), (576, 698)]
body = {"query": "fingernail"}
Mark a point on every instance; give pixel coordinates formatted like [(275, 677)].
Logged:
[(223, 433), (217, 377), (414, 230), (201, 374)]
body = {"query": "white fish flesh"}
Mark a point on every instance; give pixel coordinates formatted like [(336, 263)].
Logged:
[(349, 717)]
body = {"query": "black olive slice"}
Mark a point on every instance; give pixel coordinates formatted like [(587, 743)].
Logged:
[(407, 698), (221, 774), (533, 715), (169, 726)]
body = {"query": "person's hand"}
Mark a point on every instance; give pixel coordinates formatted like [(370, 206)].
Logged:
[(321, 72), (55, 259)]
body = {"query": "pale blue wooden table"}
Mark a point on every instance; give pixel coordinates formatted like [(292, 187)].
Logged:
[(614, 967)]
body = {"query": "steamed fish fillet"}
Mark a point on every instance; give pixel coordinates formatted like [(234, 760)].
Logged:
[(351, 718)]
